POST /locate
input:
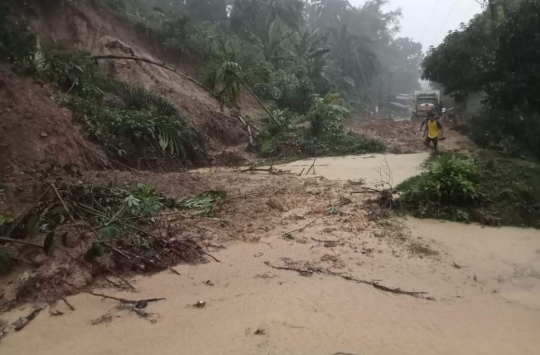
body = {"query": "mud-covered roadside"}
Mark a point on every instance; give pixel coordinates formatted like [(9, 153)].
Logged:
[(289, 251)]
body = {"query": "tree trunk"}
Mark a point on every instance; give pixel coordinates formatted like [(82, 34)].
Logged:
[(260, 102)]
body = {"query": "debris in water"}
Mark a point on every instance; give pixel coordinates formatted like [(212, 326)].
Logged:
[(23, 322), (261, 330), (106, 318), (200, 304), (55, 312)]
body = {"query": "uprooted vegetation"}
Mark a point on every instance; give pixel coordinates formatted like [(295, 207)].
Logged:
[(100, 229), (488, 189)]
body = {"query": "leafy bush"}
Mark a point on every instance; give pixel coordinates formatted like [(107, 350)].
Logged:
[(326, 115), (447, 189), (495, 191), (509, 133), (288, 90)]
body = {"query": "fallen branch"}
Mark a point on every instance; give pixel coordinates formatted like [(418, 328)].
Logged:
[(137, 303), (67, 303), (205, 253), (325, 241), (270, 170), (302, 272), (369, 190), (121, 279), (23, 322), (374, 284), (304, 227), (312, 167), (21, 242)]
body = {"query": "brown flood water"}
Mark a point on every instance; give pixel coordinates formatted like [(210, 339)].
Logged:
[(489, 305)]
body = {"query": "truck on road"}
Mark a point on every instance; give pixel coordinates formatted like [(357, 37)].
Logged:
[(426, 101)]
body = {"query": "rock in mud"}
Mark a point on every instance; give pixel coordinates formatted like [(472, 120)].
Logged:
[(40, 259), (276, 204)]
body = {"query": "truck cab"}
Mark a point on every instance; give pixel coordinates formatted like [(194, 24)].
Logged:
[(425, 102)]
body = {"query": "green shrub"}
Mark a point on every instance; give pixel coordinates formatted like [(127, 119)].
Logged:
[(448, 189), (325, 115), (287, 90), (509, 133)]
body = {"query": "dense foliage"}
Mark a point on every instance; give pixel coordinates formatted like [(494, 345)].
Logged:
[(324, 135), (497, 53), (490, 190), (310, 47)]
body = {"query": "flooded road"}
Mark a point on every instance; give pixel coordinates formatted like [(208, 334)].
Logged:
[(370, 168), (483, 284)]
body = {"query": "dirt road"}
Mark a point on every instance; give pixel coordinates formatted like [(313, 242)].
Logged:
[(405, 136), (481, 285)]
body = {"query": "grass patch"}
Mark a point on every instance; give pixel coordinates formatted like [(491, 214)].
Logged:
[(487, 189)]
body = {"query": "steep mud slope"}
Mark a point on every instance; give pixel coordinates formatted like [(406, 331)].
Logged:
[(87, 28), (33, 130)]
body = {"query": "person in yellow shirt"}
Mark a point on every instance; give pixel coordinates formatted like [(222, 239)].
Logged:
[(432, 131)]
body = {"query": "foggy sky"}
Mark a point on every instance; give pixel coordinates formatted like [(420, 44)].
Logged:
[(447, 15)]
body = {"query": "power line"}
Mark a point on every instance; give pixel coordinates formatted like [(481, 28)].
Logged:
[(468, 12), (445, 21), (429, 20)]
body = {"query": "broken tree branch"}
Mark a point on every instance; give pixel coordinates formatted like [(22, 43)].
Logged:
[(67, 303), (121, 300), (325, 241), (23, 322), (312, 166), (374, 284), (121, 279)]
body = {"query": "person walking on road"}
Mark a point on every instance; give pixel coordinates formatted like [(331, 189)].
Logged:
[(433, 130)]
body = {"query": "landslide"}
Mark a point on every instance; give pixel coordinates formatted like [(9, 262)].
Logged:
[(35, 130), (86, 27)]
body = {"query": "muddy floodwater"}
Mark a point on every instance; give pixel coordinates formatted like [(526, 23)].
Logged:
[(482, 289), (372, 167)]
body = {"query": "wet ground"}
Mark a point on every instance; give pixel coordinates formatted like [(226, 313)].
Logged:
[(371, 168), (481, 285)]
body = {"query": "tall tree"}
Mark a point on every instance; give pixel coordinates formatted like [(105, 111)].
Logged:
[(251, 16), (214, 11)]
